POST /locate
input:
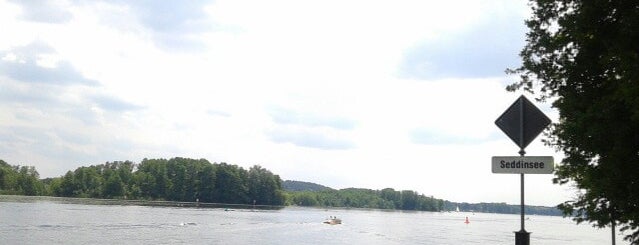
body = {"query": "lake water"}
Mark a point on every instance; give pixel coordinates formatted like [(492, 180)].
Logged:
[(56, 221)]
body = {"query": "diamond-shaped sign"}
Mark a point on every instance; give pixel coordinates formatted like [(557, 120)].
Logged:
[(522, 122)]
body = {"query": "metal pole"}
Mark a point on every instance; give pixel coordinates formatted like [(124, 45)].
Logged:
[(522, 237), (522, 153), (522, 204), (613, 232)]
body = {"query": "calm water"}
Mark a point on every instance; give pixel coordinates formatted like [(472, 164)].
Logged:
[(53, 221)]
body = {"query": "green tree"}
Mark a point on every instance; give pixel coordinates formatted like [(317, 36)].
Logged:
[(153, 179), (113, 186), (52, 186), (176, 171), (393, 196), (125, 171), (304, 198), (8, 178), (264, 187), (146, 184), (20, 180), (206, 189), (68, 186), (584, 56), (231, 184), (409, 200), (186, 178), (90, 181), (29, 181)]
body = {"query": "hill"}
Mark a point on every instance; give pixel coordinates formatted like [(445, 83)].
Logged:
[(294, 185)]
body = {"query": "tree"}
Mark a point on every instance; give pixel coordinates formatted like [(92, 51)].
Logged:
[(409, 200), (176, 171), (231, 185), (152, 178), (206, 189), (8, 178), (584, 55), (20, 180), (125, 172), (305, 198), (89, 181), (68, 186), (392, 195), (113, 186), (264, 187), (29, 181)]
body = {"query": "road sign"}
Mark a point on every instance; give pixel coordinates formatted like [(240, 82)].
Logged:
[(522, 122), (523, 165)]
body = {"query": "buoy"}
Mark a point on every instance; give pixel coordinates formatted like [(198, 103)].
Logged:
[(466, 222)]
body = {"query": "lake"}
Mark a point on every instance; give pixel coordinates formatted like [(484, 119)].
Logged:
[(38, 220)]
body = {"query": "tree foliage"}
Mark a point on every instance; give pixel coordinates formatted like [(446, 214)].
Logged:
[(191, 180), (501, 208), (176, 179), (22, 180), (264, 186), (365, 198), (584, 55)]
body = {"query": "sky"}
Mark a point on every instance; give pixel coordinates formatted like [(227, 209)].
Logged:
[(367, 94)]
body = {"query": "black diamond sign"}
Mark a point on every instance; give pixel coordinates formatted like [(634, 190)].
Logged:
[(522, 122)]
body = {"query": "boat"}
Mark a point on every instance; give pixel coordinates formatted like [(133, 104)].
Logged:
[(333, 221)]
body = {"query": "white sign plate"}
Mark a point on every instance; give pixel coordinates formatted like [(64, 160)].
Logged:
[(523, 165)]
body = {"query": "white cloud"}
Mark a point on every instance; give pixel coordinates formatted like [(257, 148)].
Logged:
[(38, 63), (485, 48), (43, 11)]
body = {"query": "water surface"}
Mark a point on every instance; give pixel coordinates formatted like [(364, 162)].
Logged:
[(56, 221)]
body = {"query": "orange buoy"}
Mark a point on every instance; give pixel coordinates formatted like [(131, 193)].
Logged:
[(466, 222)]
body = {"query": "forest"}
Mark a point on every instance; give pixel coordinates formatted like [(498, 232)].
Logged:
[(176, 179), (310, 194), (387, 198), (198, 180)]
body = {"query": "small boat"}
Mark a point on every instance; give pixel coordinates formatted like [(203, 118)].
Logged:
[(333, 221)]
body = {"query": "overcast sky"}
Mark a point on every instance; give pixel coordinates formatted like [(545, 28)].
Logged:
[(370, 94)]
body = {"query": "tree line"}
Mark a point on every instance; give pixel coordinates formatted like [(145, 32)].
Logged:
[(387, 198), (175, 179), (191, 180), (501, 208), (198, 180)]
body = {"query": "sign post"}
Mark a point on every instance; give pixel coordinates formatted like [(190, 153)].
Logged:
[(522, 122)]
